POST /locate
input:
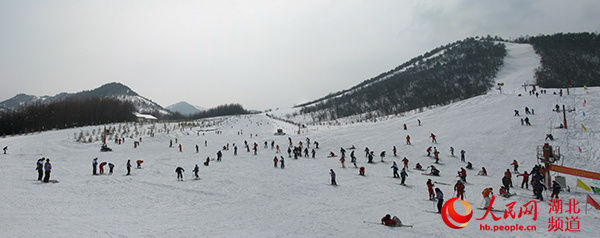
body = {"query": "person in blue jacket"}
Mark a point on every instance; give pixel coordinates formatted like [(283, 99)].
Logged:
[(332, 177), (403, 174), (440, 197), (47, 168)]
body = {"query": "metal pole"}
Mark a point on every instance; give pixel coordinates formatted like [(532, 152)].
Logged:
[(565, 116)]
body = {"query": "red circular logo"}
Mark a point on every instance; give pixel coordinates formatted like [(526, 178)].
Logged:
[(449, 211)]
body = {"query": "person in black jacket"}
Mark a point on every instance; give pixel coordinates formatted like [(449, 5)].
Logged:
[(179, 172), (40, 168)]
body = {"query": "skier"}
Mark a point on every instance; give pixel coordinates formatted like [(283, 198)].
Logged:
[(353, 159), (428, 151), (430, 189), (139, 163), (451, 151), (179, 172), (523, 122), (306, 152), (235, 150), (180, 148), (486, 196), (47, 168), (5, 149), (482, 172), (342, 160), (219, 155), (408, 140), (343, 152), (94, 164), (282, 162), (434, 171), (405, 126), (555, 189), (207, 161), (394, 150), (436, 155), (418, 167), (462, 155), (525, 179), (538, 187), (419, 121), (313, 153), (463, 174), (515, 165), (332, 177), (370, 158), (395, 169), (196, 170), (527, 121), (440, 197), (102, 167), (382, 155), (469, 165), (387, 220), (405, 161), (111, 166), (128, 167), (403, 174), (509, 176), (433, 140), (40, 168), (527, 110), (275, 160), (289, 152), (517, 113), (316, 144), (361, 171), (459, 187), (197, 149)]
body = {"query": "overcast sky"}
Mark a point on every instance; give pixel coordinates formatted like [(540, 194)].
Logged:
[(262, 54)]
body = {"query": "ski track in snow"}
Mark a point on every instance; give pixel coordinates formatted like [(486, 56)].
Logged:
[(244, 196)]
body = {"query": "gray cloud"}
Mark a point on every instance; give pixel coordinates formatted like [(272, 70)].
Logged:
[(259, 53)]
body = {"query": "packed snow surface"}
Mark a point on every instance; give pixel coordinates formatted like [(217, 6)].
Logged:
[(245, 196)]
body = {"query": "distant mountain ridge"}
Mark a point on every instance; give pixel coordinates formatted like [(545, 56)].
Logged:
[(185, 108), (110, 90)]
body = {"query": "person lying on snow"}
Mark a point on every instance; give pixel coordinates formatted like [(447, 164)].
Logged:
[(387, 220)]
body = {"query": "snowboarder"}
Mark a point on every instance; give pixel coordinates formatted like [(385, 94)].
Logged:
[(405, 161), (332, 177), (111, 166), (275, 160), (47, 168), (440, 197), (102, 167), (462, 155), (459, 187), (434, 171), (403, 174), (128, 167), (430, 189), (395, 169), (94, 165), (555, 189), (281, 162), (486, 196), (179, 172), (40, 168), (469, 165), (196, 170), (525, 179), (433, 140), (418, 167)]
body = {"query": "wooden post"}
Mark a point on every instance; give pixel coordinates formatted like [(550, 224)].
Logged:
[(565, 116)]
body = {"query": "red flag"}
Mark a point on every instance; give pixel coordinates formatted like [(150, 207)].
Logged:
[(591, 201)]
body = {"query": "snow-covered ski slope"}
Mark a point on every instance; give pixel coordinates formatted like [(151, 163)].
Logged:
[(245, 196)]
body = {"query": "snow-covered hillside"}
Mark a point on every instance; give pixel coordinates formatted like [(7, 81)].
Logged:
[(245, 196)]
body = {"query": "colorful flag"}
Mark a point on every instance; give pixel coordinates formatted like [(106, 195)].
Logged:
[(592, 202), (583, 185), (595, 189), (582, 126)]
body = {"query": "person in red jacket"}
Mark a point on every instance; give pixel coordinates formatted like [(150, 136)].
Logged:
[(275, 160), (408, 140), (139, 163), (405, 161), (508, 175), (430, 189), (515, 165), (102, 167), (387, 220), (525, 179), (459, 187)]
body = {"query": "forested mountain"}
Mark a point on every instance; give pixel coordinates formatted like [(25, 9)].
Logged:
[(568, 59), (449, 73)]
